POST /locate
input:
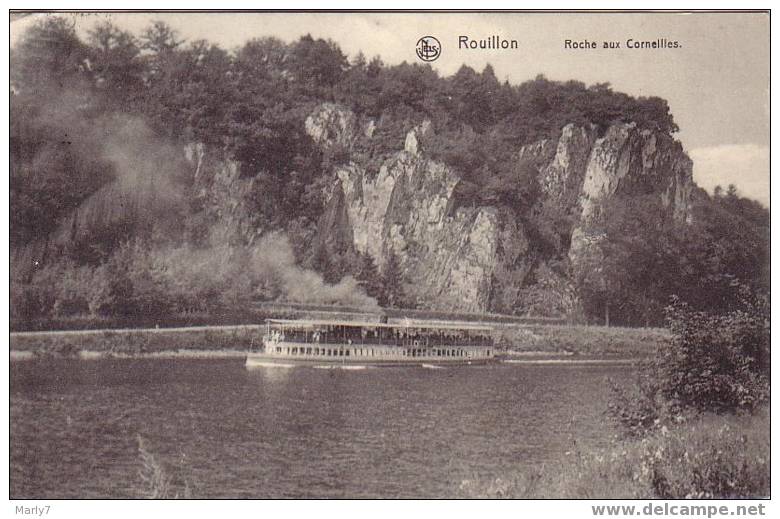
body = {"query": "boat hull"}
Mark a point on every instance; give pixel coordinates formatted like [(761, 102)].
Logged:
[(262, 360)]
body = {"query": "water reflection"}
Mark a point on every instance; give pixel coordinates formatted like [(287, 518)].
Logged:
[(274, 375)]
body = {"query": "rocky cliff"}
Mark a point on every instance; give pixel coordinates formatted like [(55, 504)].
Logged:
[(478, 258), (469, 256)]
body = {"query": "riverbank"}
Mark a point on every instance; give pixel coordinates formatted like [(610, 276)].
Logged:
[(579, 340), (711, 456), (523, 343), (192, 342), (16, 355)]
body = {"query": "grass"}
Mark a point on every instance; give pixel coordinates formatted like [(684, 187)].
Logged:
[(549, 339), (138, 342), (583, 340), (712, 456), (157, 482)]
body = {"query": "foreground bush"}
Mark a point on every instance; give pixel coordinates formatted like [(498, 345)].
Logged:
[(717, 363), (711, 363), (713, 456)]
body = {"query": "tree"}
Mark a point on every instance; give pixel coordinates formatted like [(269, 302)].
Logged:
[(394, 282), (368, 277), (630, 267), (261, 61), (317, 65), (160, 38), (49, 59), (115, 62)]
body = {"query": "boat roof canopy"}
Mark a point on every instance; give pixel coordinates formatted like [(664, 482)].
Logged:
[(373, 324)]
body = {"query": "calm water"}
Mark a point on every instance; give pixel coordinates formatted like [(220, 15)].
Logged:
[(224, 431)]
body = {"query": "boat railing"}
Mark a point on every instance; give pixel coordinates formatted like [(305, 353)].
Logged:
[(403, 341)]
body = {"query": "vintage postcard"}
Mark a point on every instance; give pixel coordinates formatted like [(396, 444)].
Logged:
[(390, 255)]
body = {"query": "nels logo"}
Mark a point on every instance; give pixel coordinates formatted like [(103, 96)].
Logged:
[(428, 48)]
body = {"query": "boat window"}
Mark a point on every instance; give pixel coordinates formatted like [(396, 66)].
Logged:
[(346, 353), (308, 351)]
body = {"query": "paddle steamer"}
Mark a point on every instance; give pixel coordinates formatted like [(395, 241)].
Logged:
[(301, 342)]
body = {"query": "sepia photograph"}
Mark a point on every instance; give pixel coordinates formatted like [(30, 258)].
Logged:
[(396, 255)]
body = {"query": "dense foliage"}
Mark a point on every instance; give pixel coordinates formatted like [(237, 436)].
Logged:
[(714, 362), (644, 256), (253, 102), (89, 115)]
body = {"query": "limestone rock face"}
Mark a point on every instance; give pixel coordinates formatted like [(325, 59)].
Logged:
[(223, 193), (455, 255), (477, 258), (629, 161), (404, 209), (329, 125), (450, 253), (562, 177)]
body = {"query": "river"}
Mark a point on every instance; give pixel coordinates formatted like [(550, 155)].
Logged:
[(97, 428)]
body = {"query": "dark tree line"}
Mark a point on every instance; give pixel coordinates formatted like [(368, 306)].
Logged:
[(645, 256)]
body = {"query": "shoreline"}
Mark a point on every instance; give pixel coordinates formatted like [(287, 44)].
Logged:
[(547, 357), (534, 344), (26, 355)]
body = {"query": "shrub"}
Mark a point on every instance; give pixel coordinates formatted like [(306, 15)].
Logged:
[(717, 363), (638, 408), (711, 363), (713, 457)]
